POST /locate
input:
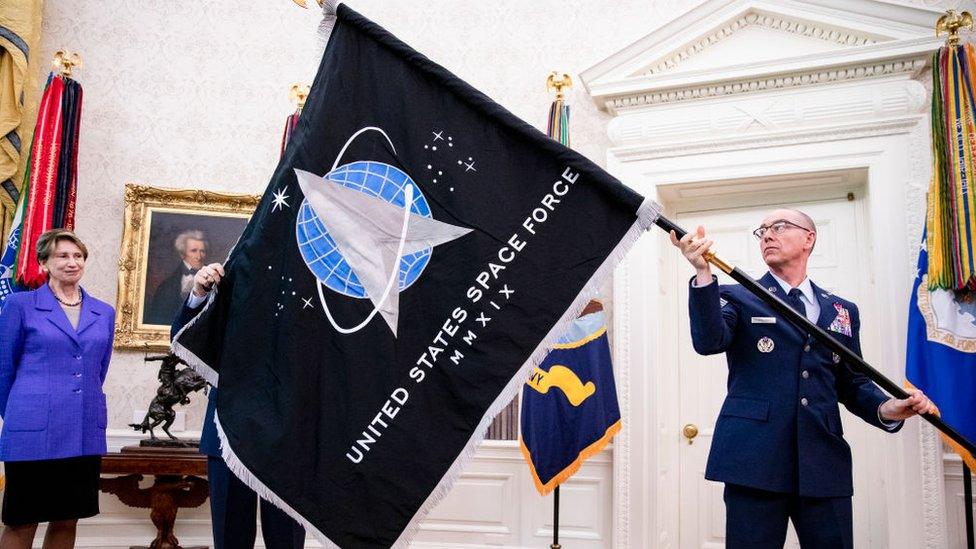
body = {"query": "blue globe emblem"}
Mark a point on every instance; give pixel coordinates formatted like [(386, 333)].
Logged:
[(319, 250)]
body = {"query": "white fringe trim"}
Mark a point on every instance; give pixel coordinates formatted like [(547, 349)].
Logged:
[(192, 360), (325, 26), (646, 215), (265, 493)]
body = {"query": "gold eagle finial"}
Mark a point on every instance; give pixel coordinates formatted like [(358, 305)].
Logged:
[(557, 81), (951, 22)]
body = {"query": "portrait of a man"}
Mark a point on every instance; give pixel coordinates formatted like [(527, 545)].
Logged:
[(179, 244), (191, 251)]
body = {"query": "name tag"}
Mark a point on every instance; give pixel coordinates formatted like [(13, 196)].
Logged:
[(764, 320)]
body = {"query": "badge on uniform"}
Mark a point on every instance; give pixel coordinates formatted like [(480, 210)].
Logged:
[(841, 324), (836, 358), (722, 302), (764, 320), (765, 345)]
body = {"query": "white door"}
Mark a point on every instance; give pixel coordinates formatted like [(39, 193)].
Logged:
[(835, 265)]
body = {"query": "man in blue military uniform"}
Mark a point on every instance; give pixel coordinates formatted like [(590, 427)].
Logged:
[(233, 505), (778, 443)]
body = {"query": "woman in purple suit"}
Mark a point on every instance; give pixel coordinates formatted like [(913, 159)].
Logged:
[(55, 346)]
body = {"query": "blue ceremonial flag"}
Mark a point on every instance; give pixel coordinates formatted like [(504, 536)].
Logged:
[(569, 405), (941, 357), (9, 257)]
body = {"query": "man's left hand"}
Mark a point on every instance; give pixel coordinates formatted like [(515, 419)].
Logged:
[(897, 409)]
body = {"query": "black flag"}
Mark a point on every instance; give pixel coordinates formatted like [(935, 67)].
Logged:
[(415, 254)]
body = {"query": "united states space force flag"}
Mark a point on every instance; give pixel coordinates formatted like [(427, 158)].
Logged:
[(416, 252)]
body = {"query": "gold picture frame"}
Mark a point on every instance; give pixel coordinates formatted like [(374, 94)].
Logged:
[(210, 221)]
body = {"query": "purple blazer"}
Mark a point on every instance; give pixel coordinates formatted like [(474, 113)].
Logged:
[(51, 377)]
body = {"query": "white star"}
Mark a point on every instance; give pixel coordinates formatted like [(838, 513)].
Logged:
[(505, 290), (279, 199), (484, 320), (469, 167), (306, 303), (366, 229), (438, 135)]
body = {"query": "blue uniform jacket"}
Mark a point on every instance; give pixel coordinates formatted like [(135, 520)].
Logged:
[(209, 441), (51, 377), (779, 428)]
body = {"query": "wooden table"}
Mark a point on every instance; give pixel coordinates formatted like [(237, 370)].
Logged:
[(178, 483)]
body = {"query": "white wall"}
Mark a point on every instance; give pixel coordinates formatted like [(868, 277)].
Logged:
[(191, 94)]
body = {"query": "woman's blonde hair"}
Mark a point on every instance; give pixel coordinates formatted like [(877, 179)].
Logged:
[(49, 241)]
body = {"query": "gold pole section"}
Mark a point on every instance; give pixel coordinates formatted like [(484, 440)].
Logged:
[(718, 262)]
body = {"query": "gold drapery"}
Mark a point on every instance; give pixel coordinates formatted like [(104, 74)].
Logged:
[(20, 33)]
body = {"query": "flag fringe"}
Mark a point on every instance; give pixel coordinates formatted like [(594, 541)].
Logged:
[(646, 215), (545, 488), (184, 354), (241, 471)]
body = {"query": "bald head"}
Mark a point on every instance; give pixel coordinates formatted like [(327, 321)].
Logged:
[(794, 245), (793, 216)]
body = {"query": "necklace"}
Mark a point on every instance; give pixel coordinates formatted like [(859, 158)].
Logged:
[(66, 304)]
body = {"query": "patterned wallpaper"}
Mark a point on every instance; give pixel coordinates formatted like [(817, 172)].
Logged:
[(194, 95)]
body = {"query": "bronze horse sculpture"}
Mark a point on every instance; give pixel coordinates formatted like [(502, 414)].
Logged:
[(175, 388)]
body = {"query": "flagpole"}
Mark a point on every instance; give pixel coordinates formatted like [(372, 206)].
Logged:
[(555, 520), (558, 129), (800, 321), (967, 486)]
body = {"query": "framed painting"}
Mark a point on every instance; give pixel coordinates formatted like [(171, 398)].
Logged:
[(167, 235)]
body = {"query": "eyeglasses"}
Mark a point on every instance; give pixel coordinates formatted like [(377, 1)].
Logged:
[(778, 227)]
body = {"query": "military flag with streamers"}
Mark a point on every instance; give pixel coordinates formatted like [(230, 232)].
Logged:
[(367, 331), (569, 404), (52, 175), (941, 356), (951, 216)]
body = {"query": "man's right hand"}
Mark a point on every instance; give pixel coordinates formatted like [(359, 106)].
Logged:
[(206, 278), (694, 246)]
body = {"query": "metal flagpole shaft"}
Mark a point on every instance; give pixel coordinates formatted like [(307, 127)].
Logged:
[(555, 520), (967, 485), (799, 320)]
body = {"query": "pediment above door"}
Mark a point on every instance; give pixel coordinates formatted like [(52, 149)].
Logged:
[(727, 47)]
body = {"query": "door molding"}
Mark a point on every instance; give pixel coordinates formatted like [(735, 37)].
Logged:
[(894, 168)]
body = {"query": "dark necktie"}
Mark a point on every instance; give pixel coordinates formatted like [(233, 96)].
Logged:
[(793, 298), (190, 271)]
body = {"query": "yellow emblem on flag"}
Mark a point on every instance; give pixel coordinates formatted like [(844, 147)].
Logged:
[(563, 379)]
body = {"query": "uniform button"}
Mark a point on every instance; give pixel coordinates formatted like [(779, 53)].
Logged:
[(77, 391), (77, 357), (77, 374), (806, 349), (805, 374), (803, 401)]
